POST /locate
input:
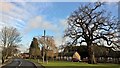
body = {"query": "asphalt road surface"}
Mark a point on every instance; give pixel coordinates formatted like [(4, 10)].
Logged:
[(20, 63)]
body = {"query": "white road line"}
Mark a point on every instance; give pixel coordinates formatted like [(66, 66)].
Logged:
[(20, 63)]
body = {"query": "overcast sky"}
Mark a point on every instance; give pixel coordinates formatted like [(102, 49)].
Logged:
[(31, 18)]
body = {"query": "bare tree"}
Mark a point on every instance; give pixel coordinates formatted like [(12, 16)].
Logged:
[(10, 51), (9, 38), (49, 42), (49, 46), (90, 23)]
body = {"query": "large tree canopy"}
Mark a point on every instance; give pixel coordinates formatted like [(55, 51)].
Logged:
[(90, 23)]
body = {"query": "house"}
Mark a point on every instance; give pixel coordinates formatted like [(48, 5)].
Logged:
[(70, 56), (25, 55), (76, 57), (81, 50)]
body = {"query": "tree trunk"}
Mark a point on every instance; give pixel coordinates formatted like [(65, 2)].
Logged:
[(91, 56), (2, 60)]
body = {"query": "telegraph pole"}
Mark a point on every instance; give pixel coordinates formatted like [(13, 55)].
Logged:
[(44, 48)]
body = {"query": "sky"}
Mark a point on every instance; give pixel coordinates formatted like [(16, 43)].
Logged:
[(32, 17)]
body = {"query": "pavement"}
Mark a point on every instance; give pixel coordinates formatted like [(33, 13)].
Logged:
[(21, 63)]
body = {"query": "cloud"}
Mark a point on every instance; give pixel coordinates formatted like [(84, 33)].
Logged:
[(109, 0), (4, 6), (39, 22), (25, 0), (18, 13), (58, 0), (60, 33), (11, 15)]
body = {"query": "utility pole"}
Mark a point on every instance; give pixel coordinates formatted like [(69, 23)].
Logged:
[(44, 48)]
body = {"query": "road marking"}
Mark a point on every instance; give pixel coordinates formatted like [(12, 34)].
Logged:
[(20, 63)]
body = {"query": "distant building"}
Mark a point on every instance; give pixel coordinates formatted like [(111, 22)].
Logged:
[(76, 57), (25, 55), (72, 56)]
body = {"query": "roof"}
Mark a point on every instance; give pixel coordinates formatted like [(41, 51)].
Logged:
[(76, 55)]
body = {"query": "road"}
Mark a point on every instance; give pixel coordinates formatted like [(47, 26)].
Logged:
[(20, 63)]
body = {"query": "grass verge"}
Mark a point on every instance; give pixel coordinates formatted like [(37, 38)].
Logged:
[(66, 64)]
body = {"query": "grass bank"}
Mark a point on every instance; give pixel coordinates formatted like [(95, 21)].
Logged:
[(66, 64)]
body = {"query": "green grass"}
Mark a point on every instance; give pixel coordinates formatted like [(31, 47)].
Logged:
[(65, 64)]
